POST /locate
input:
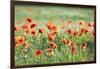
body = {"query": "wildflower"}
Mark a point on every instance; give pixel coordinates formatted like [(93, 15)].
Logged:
[(38, 52), (19, 40), (54, 28), (33, 25), (50, 37), (41, 30), (73, 50), (91, 24), (83, 45), (53, 45), (26, 31), (29, 20), (75, 33), (81, 22), (65, 41), (25, 27), (48, 25), (70, 31), (34, 33)]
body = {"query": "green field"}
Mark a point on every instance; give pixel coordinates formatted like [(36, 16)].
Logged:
[(54, 14)]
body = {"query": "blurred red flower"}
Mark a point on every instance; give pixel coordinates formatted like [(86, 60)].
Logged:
[(52, 44), (70, 31), (29, 20), (33, 25), (25, 27), (38, 52), (50, 37), (83, 45), (41, 30)]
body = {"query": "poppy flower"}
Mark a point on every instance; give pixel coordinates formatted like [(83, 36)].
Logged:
[(83, 45), (75, 33), (54, 28), (65, 41), (50, 37), (81, 22), (82, 30), (19, 40), (41, 30), (73, 50), (25, 27), (38, 52), (34, 33), (50, 51), (26, 31), (48, 25), (91, 24), (70, 31), (54, 32), (29, 20), (86, 30), (33, 25), (52, 44)]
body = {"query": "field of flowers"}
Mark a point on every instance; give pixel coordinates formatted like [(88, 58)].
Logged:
[(47, 35)]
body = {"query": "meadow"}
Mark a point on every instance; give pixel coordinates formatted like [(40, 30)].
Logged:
[(53, 34)]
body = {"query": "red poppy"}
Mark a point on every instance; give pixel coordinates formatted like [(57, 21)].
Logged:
[(34, 33), (48, 25), (83, 46), (65, 41), (26, 31), (70, 31), (25, 26), (75, 33), (53, 45), (81, 22), (73, 50), (38, 52), (82, 30), (41, 30), (19, 40), (50, 37), (54, 28), (33, 25), (29, 20), (89, 24), (86, 30)]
